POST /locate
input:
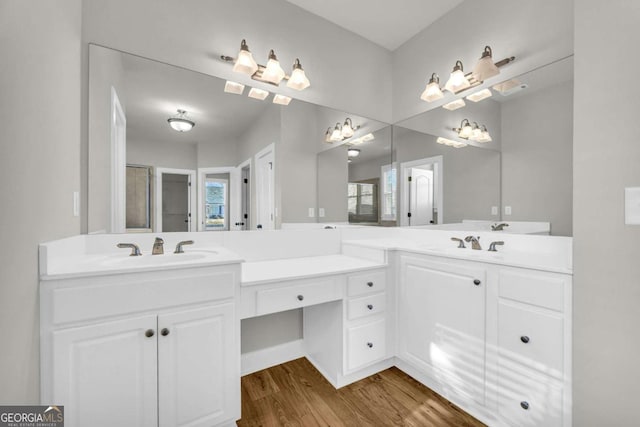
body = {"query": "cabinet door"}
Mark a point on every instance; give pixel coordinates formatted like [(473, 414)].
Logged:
[(105, 374), (198, 368), (442, 324)]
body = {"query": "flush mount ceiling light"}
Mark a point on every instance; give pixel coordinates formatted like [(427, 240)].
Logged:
[(272, 73), (341, 132), (454, 105), (459, 81), (432, 92), (256, 93), (353, 152), (480, 95), (181, 122), (281, 99), (233, 87), (472, 131), (450, 142)]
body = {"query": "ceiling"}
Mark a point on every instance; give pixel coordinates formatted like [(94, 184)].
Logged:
[(387, 23)]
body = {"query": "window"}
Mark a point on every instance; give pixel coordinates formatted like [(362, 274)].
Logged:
[(215, 205), (362, 201), (389, 178)]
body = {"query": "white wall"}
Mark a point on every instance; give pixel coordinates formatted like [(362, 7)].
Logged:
[(606, 158), (39, 170), (537, 148), (535, 32)]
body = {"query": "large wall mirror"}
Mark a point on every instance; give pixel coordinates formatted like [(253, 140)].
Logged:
[(246, 164), (523, 174)]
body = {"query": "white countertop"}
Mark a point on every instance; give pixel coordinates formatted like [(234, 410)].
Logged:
[(259, 272)]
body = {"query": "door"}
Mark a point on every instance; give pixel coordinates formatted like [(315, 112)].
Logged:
[(198, 367), (106, 374), (175, 199), (421, 197), (442, 324), (245, 198), (265, 194)]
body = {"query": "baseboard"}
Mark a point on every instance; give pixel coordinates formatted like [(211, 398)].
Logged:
[(262, 359)]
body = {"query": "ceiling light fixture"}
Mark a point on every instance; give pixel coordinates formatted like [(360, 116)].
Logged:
[(272, 73), (353, 152), (454, 105), (480, 95), (256, 93), (233, 87), (432, 92), (181, 122), (281, 99), (472, 132)]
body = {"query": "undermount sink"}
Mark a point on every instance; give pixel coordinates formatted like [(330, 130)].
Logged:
[(122, 260)]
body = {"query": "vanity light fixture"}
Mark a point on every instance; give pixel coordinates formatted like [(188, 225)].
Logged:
[(454, 105), (341, 132), (480, 95), (484, 135), (348, 129), (233, 87), (485, 68), (256, 93), (353, 152), (281, 99), (272, 73), (181, 122), (336, 135), (366, 138), (457, 80), (432, 92), (472, 131), (450, 142), (465, 130)]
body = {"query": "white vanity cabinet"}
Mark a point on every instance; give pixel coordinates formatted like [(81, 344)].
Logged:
[(143, 349)]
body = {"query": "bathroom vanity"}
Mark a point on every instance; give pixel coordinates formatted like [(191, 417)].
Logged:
[(154, 340)]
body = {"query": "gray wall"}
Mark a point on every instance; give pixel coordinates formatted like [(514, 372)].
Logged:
[(370, 169), (471, 175), (273, 329), (218, 153), (537, 149), (162, 154), (606, 158), (39, 170), (333, 175)]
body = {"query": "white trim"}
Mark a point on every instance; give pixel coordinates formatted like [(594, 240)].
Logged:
[(437, 162), (383, 169), (118, 142), (246, 164), (157, 188), (234, 194), (271, 148), (262, 359)]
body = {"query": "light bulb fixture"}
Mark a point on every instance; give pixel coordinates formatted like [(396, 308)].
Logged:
[(245, 62), (457, 80), (341, 132), (476, 132), (348, 129), (454, 105), (281, 99), (273, 73), (485, 68), (432, 92), (480, 95), (181, 122), (450, 142), (484, 135), (349, 160), (465, 130), (472, 132), (336, 135), (259, 94), (327, 135), (298, 79), (353, 152), (366, 138), (233, 87)]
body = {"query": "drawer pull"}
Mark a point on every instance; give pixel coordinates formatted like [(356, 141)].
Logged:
[(524, 339), (164, 332), (370, 306), (524, 405), (477, 282), (300, 297), (370, 344), (370, 284), (149, 333)]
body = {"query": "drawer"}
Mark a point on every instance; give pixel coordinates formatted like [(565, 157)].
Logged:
[(531, 338), (525, 402), (539, 289), (299, 295), (366, 306), (366, 344), (364, 283)]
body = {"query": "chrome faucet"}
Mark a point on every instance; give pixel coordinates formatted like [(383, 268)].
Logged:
[(135, 250), (492, 246), (179, 246), (475, 242), (158, 247), (460, 242), (499, 227)]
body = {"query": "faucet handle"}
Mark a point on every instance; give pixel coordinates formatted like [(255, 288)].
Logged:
[(179, 246), (471, 238), (158, 240), (135, 250), (492, 246), (460, 242)]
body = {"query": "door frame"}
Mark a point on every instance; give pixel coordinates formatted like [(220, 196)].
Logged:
[(438, 174), (234, 196), (271, 148), (118, 185), (247, 221), (157, 226)]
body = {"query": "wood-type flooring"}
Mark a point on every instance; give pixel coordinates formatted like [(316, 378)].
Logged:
[(296, 394)]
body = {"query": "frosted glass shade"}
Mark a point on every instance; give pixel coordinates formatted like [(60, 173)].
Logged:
[(256, 93), (347, 130), (484, 135), (432, 92), (181, 123), (233, 87), (336, 135), (466, 131), (298, 79), (485, 68), (480, 95), (457, 81), (353, 152), (454, 105), (281, 99), (245, 63), (274, 72)]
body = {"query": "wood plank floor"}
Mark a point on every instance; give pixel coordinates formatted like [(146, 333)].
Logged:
[(296, 394)]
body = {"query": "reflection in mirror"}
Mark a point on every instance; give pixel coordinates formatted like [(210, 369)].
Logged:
[(523, 174), (242, 164)]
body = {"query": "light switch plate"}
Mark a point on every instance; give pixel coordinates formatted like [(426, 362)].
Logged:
[(632, 205), (494, 210), (321, 212), (507, 210)]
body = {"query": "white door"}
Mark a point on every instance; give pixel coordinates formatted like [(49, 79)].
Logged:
[(421, 197), (265, 186), (442, 324), (106, 374), (175, 199), (198, 367)]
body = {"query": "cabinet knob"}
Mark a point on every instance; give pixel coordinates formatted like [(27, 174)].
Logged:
[(164, 332), (477, 282), (524, 405), (524, 339), (370, 284), (370, 306), (370, 344), (300, 297), (149, 333)]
